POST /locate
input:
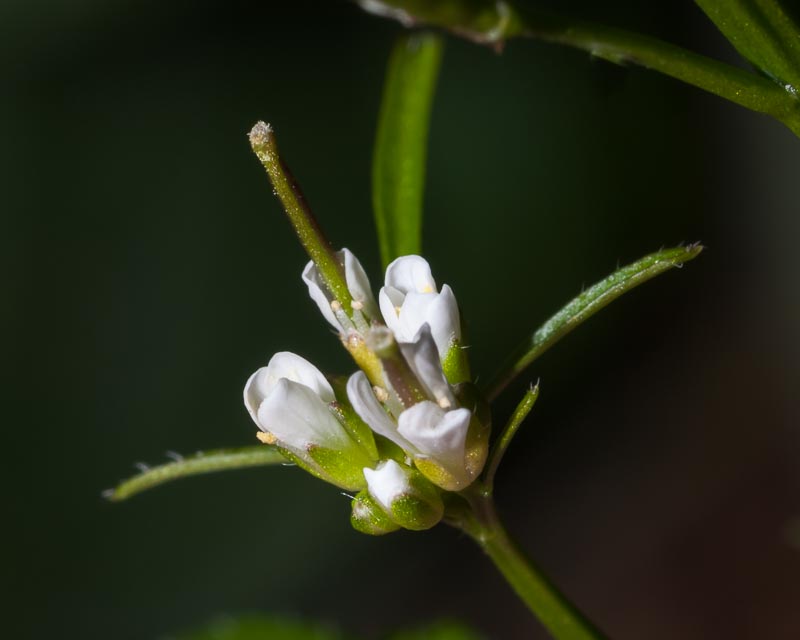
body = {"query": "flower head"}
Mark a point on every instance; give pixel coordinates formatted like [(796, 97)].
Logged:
[(410, 299), (292, 403)]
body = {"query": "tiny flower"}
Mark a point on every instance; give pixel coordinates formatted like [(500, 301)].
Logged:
[(410, 299), (364, 306), (290, 400), (439, 441), (408, 498), (439, 438)]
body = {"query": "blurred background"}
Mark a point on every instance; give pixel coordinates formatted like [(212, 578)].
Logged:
[(148, 270)]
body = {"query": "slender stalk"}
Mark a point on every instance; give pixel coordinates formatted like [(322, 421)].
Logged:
[(552, 608), (203, 462), (504, 439), (262, 139)]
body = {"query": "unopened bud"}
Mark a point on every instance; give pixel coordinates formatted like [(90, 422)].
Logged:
[(406, 496)]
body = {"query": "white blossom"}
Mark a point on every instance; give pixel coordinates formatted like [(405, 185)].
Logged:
[(289, 399), (440, 436), (294, 405), (410, 299)]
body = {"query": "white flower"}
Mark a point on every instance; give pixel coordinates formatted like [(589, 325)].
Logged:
[(289, 400), (440, 437), (357, 284), (410, 299), (433, 437)]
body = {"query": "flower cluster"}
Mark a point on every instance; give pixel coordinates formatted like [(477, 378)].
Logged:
[(401, 431)]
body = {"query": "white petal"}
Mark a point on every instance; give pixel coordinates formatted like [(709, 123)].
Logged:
[(438, 434), (358, 282), (255, 390), (317, 292), (284, 364), (410, 273), (391, 300), (443, 316), (423, 358), (413, 314), (366, 405), (387, 483), (297, 417)]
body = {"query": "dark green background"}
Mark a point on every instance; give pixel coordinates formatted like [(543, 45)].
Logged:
[(147, 271)]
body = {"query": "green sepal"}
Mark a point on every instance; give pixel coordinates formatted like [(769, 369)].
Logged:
[(369, 517), (476, 447), (341, 468), (351, 421), (438, 475), (388, 450), (455, 364)]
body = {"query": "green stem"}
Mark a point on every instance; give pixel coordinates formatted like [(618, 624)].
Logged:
[(262, 139), (504, 439), (493, 22), (203, 462), (552, 608)]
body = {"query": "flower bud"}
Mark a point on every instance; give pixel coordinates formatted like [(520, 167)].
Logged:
[(410, 299), (407, 497), (369, 517), (439, 438), (291, 401)]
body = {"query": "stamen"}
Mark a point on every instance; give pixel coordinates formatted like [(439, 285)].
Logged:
[(266, 437), (444, 403), (380, 393), (357, 305)]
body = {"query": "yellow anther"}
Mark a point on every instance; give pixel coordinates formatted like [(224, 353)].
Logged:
[(266, 437), (381, 394)]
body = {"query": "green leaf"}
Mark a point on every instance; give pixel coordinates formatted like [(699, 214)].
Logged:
[(584, 306), (763, 33), (443, 630), (262, 628), (201, 462), (398, 166)]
